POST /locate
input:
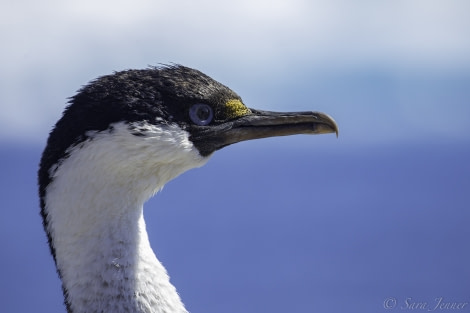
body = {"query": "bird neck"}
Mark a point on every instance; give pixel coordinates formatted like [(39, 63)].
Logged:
[(106, 261), (94, 208)]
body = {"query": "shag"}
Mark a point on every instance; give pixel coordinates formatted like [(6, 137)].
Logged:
[(119, 140)]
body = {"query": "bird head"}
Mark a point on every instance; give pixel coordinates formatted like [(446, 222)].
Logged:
[(173, 105)]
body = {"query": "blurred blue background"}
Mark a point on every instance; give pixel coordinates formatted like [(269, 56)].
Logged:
[(294, 224)]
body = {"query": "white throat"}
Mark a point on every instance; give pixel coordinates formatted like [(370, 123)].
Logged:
[(95, 218)]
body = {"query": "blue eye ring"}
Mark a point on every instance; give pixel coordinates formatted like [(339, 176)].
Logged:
[(201, 114)]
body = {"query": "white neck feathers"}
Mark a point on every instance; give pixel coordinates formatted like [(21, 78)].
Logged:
[(95, 218)]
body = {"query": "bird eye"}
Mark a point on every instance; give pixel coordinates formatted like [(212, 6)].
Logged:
[(201, 114)]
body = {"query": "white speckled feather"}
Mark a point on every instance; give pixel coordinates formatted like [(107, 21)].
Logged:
[(95, 217)]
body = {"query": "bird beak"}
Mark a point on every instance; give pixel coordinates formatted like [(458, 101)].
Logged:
[(262, 124)]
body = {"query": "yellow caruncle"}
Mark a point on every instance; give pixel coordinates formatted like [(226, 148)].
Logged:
[(235, 108)]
